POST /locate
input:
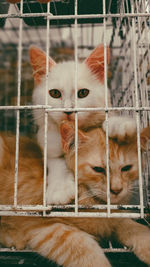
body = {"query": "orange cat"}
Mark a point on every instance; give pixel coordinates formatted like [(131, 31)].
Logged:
[(71, 242)]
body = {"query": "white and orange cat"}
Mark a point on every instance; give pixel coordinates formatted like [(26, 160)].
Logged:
[(61, 94), (72, 242)]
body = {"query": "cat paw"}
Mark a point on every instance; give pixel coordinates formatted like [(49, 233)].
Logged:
[(142, 247), (62, 193), (121, 128)]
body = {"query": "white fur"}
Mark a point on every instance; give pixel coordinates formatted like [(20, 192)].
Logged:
[(62, 77), (120, 127), (63, 184), (60, 180)]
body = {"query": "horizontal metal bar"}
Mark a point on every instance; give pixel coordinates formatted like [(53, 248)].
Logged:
[(31, 207), (57, 17), (49, 108), (50, 207), (72, 214), (13, 250), (116, 250)]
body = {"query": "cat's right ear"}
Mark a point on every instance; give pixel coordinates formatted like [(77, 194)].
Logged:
[(38, 62), (95, 62), (67, 131)]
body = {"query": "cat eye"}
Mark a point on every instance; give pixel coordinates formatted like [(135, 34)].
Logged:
[(99, 169), (83, 93), (126, 168), (55, 93)]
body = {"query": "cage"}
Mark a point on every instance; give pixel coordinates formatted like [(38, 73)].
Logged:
[(70, 30)]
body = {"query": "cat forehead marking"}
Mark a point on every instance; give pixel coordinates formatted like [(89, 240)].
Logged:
[(95, 154)]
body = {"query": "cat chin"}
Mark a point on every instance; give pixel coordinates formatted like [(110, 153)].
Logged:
[(116, 201), (120, 200)]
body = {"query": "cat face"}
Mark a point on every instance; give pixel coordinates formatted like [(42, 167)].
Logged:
[(61, 85), (92, 170)]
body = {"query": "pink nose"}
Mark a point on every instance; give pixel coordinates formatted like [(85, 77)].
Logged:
[(116, 191)]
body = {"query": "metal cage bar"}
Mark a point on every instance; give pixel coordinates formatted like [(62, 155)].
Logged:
[(18, 103), (129, 101), (135, 14)]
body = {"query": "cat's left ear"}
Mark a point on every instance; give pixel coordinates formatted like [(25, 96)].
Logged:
[(145, 138), (95, 62), (38, 62), (67, 131)]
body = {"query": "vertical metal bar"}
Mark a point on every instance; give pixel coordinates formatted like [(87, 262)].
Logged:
[(106, 106), (137, 113), (18, 103), (46, 101), (76, 114), (135, 65), (146, 35), (142, 65)]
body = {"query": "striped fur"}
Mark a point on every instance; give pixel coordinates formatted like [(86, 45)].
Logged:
[(70, 242)]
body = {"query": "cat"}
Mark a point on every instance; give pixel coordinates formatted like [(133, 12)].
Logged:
[(72, 242), (61, 94)]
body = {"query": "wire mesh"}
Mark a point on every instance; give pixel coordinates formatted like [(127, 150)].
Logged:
[(124, 26)]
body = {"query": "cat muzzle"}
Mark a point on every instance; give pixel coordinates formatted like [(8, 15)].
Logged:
[(116, 191)]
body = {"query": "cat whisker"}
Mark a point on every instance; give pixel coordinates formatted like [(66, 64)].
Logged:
[(85, 197), (98, 193), (133, 192), (133, 187), (95, 192)]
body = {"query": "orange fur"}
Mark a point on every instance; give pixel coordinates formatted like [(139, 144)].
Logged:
[(30, 166), (92, 152), (69, 241)]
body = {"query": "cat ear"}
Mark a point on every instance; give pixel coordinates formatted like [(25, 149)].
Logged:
[(67, 131), (145, 138), (95, 62), (38, 62)]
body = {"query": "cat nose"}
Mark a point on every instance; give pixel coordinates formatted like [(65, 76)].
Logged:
[(68, 112), (116, 191)]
